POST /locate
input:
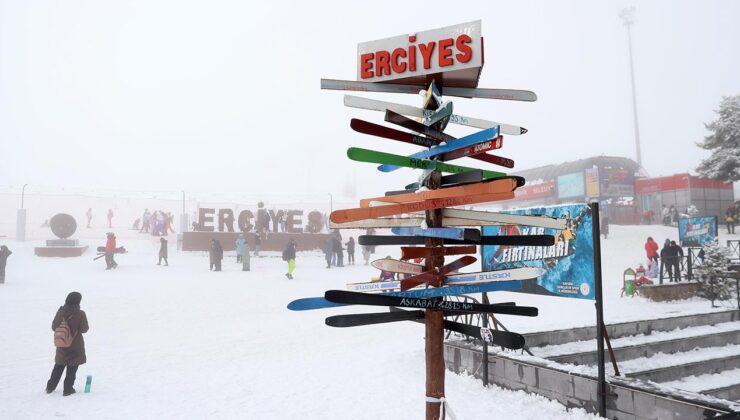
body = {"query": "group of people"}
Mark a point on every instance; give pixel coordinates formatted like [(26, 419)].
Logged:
[(334, 250), (158, 223), (216, 253), (671, 255)]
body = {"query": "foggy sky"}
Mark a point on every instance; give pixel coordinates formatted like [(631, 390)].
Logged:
[(223, 96)]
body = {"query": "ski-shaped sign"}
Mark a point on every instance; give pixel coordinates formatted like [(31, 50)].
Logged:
[(473, 150), (397, 266), (503, 218), (389, 133), (513, 240), (355, 298), (372, 156), (410, 253), (443, 232), (356, 320), (382, 106), (496, 185), (351, 215), (320, 302), (439, 273), (485, 93)]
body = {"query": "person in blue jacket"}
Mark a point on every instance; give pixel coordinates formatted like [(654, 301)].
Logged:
[(240, 243)]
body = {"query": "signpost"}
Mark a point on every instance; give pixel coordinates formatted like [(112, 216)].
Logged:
[(442, 60)]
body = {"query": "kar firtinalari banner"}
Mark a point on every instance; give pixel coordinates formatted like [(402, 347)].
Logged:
[(569, 263), (697, 231)]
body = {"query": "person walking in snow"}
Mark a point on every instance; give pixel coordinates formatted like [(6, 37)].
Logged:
[(163, 252), (366, 254), (4, 254), (110, 218), (351, 251), (730, 219), (604, 226), (240, 243), (675, 255), (110, 250), (257, 243), (289, 256), (246, 257), (651, 249), (88, 213), (339, 250), (216, 254), (69, 323), (328, 251), (666, 215), (145, 218)]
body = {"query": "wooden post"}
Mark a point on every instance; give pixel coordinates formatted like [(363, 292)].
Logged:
[(434, 319)]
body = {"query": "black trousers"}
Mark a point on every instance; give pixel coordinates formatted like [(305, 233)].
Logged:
[(350, 257), (162, 257), (56, 375), (109, 261)]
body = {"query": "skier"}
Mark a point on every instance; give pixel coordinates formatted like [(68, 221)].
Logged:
[(240, 242), (338, 250), (651, 249), (163, 252), (351, 251), (88, 213), (216, 254), (68, 325), (245, 257), (110, 249), (328, 251), (4, 254), (110, 218), (257, 243), (289, 256)]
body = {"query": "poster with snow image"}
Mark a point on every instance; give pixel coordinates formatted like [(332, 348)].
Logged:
[(697, 231), (569, 263)]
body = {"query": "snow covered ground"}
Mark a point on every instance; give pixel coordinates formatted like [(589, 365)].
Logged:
[(183, 342)]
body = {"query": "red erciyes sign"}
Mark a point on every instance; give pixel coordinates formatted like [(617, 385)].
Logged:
[(457, 50)]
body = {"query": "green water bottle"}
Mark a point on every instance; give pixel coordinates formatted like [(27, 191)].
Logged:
[(88, 383)]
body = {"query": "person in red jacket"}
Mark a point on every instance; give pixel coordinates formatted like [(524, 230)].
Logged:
[(110, 249), (651, 249)]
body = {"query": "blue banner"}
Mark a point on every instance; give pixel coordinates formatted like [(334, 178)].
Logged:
[(569, 263), (697, 231)]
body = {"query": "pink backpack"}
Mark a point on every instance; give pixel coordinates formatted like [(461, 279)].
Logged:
[(63, 336)]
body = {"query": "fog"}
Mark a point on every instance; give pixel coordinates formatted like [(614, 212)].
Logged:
[(223, 96)]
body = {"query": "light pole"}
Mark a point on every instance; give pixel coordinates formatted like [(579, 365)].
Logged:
[(183, 201), (331, 203), (23, 194), (627, 16)]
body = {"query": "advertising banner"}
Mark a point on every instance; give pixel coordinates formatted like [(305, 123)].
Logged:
[(697, 231), (569, 263), (592, 182)]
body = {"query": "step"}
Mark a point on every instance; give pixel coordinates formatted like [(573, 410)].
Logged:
[(648, 349), (729, 393), (623, 329), (699, 367)]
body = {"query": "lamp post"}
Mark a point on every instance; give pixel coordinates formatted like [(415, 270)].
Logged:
[(23, 194), (184, 216), (627, 16), (20, 225), (331, 203), (183, 201)]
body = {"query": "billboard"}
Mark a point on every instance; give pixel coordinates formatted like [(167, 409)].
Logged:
[(592, 182), (571, 185), (697, 231), (569, 263)]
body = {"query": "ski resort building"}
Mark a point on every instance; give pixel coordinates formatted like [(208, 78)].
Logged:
[(623, 188)]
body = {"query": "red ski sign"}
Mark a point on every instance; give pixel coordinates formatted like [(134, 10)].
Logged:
[(455, 51)]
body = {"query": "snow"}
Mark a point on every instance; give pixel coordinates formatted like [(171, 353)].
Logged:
[(706, 382), (634, 340), (183, 342)]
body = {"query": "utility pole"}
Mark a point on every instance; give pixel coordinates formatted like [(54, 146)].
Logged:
[(627, 16)]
